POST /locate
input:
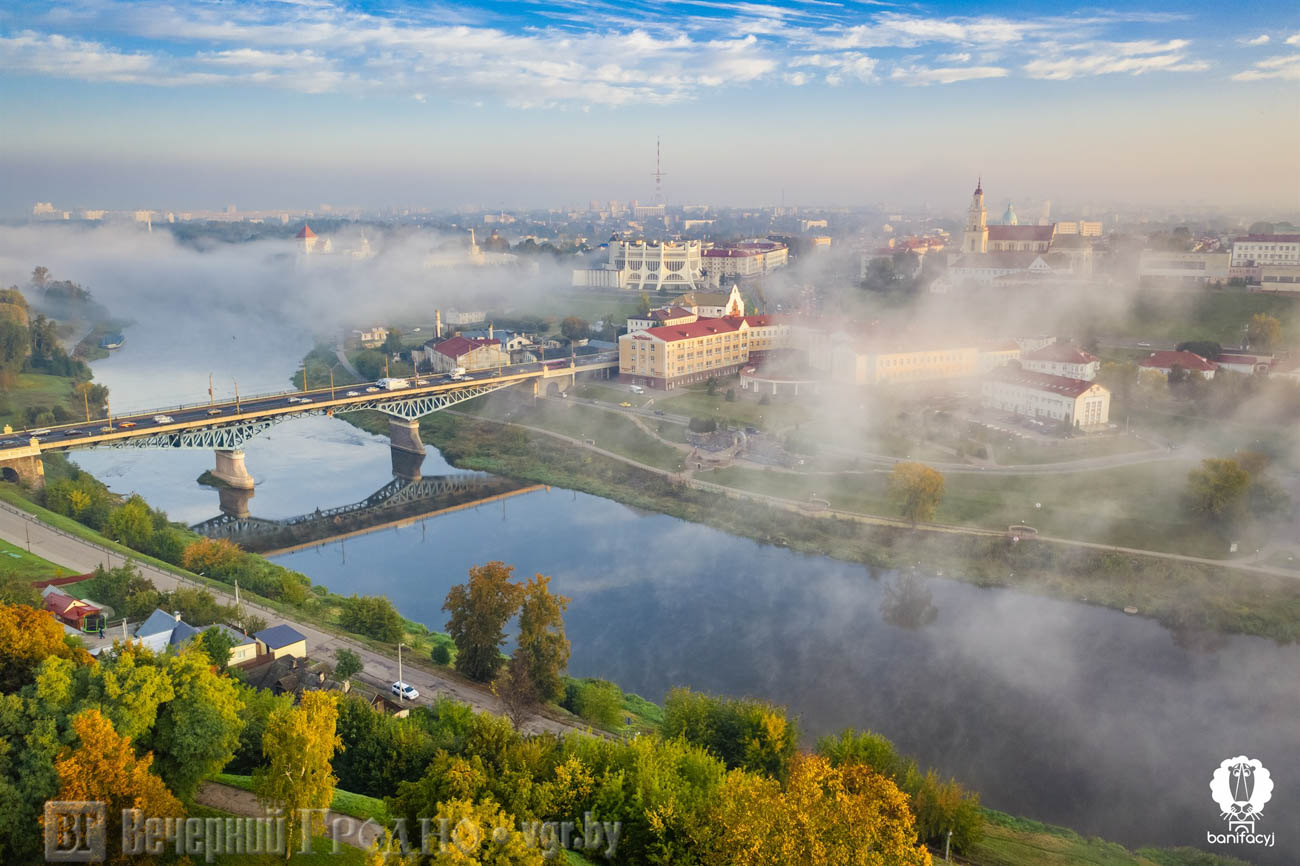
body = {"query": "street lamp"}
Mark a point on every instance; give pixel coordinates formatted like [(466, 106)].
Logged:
[(401, 691)]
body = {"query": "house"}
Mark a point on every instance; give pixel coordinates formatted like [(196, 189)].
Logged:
[(381, 704), (472, 354), (163, 630), (1072, 402), (1062, 359), (281, 640), (290, 675), (713, 305), (372, 337), (74, 612), (1165, 361), (1247, 364), (674, 315)]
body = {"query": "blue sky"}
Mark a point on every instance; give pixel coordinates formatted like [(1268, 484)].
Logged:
[(187, 103)]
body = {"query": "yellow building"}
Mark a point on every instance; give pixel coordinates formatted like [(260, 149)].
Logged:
[(279, 641), (674, 355)]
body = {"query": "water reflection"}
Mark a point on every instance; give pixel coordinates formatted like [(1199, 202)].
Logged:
[(908, 602)]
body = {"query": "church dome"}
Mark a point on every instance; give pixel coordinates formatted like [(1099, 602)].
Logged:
[(1009, 218)]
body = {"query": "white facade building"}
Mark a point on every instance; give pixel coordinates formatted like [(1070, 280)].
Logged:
[(672, 266), (1259, 250), (1062, 359), (1073, 402)]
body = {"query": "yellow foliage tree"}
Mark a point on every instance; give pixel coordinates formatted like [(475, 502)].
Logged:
[(481, 833), (824, 816), (210, 556), (299, 743), (103, 767), (28, 637), (917, 489)]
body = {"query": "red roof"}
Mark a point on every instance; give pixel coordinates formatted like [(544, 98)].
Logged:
[(306, 232), (1063, 353), (458, 346), (698, 328), (1041, 381), (1021, 233), (1168, 359), (67, 607)]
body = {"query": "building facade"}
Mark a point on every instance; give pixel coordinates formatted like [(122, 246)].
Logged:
[(675, 355), (655, 266), (472, 354), (675, 315), (1062, 359), (1182, 269), (1259, 250), (713, 305), (1164, 363), (1072, 402)]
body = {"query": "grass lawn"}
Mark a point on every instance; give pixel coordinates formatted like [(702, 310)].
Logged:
[(1216, 316), (321, 852), (743, 410), (33, 389), (344, 802), (1021, 451), (18, 562)]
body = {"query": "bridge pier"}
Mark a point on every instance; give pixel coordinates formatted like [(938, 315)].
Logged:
[(404, 434), (234, 501), (407, 464), (231, 470), (24, 468)]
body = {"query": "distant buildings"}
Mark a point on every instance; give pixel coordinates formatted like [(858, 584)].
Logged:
[(1165, 362), (1071, 402), (472, 354), (1173, 269), (1271, 262), (742, 260), (1062, 359)]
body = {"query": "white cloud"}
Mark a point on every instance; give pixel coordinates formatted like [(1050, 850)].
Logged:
[(63, 57), (1261, 39), (1284, 68), (945, 75), (849, 65), (1293, 39), (1108, 58), (959, 57)]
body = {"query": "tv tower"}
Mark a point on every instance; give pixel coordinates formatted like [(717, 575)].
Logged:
[(658, 175)]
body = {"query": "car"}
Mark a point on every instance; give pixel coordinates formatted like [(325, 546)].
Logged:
[(304, 399), (659, 411), (44, 431), (751, 430), (405, 691), (1144, 345), (72, 433), (371, 390), (295, 399), (163, 419), (105, 429), (126, 425), (353, 394), (625, 405), (421, 381), (214, 411)]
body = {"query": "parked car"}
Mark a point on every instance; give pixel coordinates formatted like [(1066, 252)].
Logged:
[(659, 411), (625, 405), (405, 691)]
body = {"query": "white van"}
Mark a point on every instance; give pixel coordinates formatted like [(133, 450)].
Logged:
[(636, 389)]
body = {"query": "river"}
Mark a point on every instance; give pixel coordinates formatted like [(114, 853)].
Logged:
[(1055, 710)]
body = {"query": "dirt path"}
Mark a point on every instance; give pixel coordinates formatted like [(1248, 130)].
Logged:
[(341, 828)]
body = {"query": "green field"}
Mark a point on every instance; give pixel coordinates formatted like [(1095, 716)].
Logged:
[(16, 562), (344, 802), (33, 389)]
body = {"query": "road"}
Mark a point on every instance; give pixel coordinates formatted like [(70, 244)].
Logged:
[(80, 555)]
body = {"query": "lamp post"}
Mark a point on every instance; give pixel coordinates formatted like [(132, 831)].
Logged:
[(401, 691)]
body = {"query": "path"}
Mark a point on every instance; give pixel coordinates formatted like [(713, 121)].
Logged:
[(355, 832), (347, 365), (82, 556)]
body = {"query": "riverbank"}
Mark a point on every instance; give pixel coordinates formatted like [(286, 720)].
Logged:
[(1190, 598)]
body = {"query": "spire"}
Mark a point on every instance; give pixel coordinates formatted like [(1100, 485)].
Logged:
[(979, 186)]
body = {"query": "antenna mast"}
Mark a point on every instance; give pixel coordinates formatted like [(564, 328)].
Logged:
[(659, 176)]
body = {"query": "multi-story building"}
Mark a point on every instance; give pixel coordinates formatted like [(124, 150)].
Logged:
[(472, 354), (744, 260), (674, 355), (675, 315), (712, 305), (1062, 359), (1258, 250), (1073, 402), (1164, 362), (1084, 228), (1186, 269), (655, 266)]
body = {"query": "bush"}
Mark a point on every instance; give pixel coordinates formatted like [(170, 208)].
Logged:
[(731, 395), (703, 425), (744, 733), (372, 615), (598, 701), (441, 655)]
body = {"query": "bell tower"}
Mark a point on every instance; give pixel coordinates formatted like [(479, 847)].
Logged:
[(975, 239)]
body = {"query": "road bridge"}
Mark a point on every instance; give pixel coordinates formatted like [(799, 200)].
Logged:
[(224, 427)]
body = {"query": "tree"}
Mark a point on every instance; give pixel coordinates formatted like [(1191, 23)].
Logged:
[(517, 693), (198, 729), (13, 349), (1207, 349), (347, 663), (28, 637), (393, 342), (299, 744), (574, 328), (711, 386), (482, 833), (40, 276), (743, 732), (542, 647), (217, 645), (103, 767), (1263, 332), (598, 701), (440, 654), (1216, 491), (372, 615), (479, 610), (917, 489), (214, 557), (131, 524)]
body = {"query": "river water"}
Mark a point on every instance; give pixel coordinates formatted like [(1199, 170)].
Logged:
[(1055, 710)]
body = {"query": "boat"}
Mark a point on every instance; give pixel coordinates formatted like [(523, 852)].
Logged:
[(111, 341)]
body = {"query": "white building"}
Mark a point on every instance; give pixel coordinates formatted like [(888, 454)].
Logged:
[(656, 266), (744, 260), (1173, 268), (1073, 402), (1062, 359), (714, 305), (1259, 250), (1164, 362), (479, 354)]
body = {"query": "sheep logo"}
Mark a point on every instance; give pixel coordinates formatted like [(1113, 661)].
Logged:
[(1241, 786)]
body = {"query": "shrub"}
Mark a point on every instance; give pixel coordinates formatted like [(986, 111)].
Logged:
[(598, 701), (441, 655)]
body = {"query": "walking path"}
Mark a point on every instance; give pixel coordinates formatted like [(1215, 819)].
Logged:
[(354, 832), (18, 527)]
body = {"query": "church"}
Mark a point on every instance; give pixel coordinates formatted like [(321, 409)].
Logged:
[(1012, 254)]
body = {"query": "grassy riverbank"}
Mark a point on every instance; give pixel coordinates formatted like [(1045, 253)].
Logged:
[(1192, 599)]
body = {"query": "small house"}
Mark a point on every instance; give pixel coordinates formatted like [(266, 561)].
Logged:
[(281, 640), (74, 612)]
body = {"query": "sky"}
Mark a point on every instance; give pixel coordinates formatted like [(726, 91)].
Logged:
[(198, 104)]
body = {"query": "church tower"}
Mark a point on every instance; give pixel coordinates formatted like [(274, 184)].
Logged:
[(976, 237)]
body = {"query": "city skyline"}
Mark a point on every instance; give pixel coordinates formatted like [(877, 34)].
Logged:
[(195, 104)]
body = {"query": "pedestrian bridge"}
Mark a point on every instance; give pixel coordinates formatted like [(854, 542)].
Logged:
[(225, 426)]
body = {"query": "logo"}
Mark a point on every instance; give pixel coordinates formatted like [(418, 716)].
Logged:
[(1241, 786), (76, 831)]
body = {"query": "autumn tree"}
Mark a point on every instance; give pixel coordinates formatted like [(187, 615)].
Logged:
[(824, 816), (743, 732), (217, 644), (299, 744), (213, 557), (479, 610), (542, 647), (482, 833), (102, 766), (574, 328), (1216, 490), (516, 691), (28, 637), (917, 490), (1263, 332)]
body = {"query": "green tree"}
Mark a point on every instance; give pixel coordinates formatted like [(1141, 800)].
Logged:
[(13, 349), (574, 328), (542, 647), (198, 729), (479, 610), (1216, 490), (131, 524), (917, 490), (745, 733), (1207, 349), (347, 663), (1263, 332), (217, 645), (299, 744), (372, 615), (598, 701)]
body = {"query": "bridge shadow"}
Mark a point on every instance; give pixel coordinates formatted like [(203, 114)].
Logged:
[(401, 501)]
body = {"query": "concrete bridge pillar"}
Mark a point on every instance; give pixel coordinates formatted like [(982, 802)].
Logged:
[(27, 469), (231, 470), (234, 501), (407, 465), (405, 435)]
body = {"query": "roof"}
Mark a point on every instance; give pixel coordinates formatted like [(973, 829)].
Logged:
[(690, 330), (306, 232), (1168, 359), (1021, 233), (1274, 239), (1063, 353), (706, 299), (761, 321), (663, 313), (1005, 259), (730, 252), (1041, 381), (159, 622), (183, 633), (279, 636), (66, 606), (458, 346)]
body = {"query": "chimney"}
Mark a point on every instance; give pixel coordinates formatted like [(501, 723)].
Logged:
[(437, 324), (177, 614), (489, 330)]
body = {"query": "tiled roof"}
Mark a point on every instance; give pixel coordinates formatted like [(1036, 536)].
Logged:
[(458, 346), (1001, 260), (1063, 353), (1274, 239), (1041, 381), (730, 253), (1168, 359), (689, 330), (306, 232), (1021, 233)]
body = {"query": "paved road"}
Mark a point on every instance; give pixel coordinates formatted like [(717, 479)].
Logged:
[(82, 556)]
